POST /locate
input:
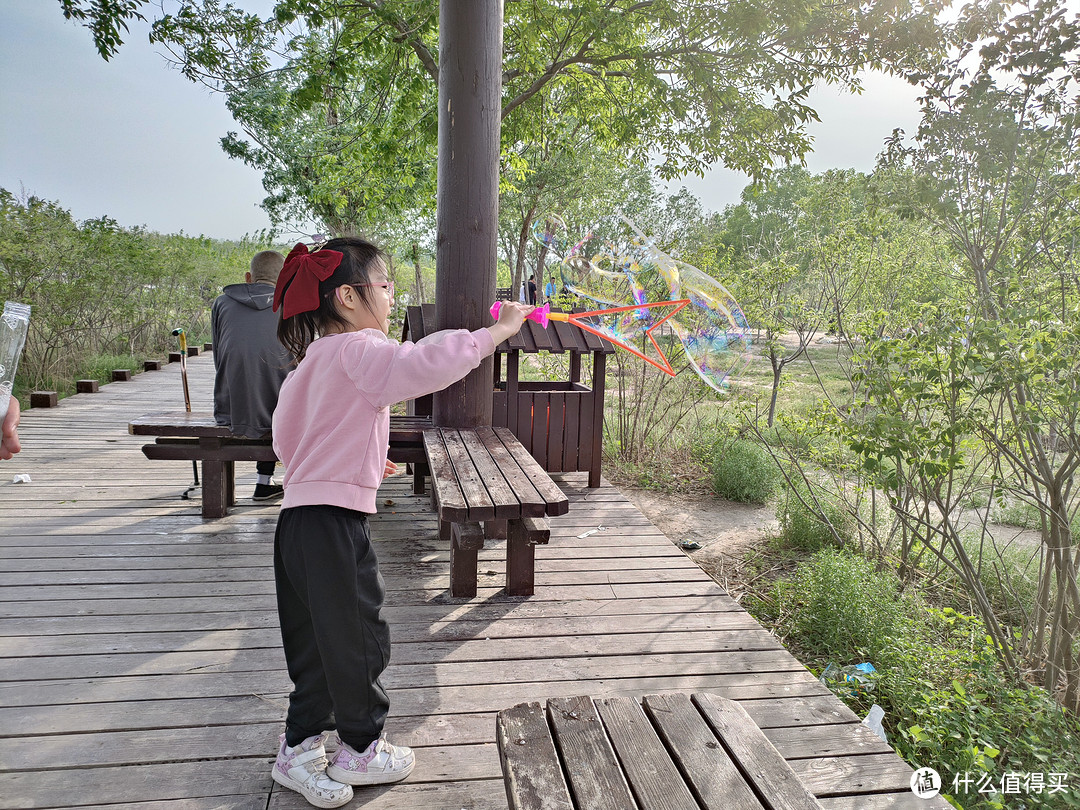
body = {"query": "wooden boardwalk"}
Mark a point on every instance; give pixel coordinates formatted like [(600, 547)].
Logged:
[(140, 660)]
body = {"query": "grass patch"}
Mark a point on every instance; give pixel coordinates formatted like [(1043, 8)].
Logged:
[(99, 367), (742, 471), (809, 516)]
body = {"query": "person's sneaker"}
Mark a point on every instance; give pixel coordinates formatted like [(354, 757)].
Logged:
[(303, 769), (380, 763), (267, 492)]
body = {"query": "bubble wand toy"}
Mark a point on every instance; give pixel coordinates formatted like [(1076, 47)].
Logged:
[(543, 315)]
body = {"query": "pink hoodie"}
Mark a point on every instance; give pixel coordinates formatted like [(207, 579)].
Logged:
[(332, 421)]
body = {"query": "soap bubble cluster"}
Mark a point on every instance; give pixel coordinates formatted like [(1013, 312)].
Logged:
[(623, 268)]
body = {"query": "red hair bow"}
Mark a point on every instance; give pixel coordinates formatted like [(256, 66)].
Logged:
[(298, 284)]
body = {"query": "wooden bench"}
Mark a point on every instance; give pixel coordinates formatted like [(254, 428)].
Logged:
[(183, 436), (671, 751), (485, 475)]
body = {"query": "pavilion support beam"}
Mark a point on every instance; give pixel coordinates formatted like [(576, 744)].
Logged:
[(470, 108)]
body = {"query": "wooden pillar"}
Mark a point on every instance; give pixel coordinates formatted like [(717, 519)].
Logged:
[(470, 108)]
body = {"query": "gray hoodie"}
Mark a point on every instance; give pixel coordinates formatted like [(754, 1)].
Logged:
[(251, 363)]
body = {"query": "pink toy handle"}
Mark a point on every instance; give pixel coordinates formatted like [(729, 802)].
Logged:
[(540, 314)]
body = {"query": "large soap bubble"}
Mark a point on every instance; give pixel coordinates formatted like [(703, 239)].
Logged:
[(618, 266)]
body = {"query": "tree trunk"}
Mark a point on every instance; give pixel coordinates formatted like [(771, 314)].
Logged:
[(470, 86)]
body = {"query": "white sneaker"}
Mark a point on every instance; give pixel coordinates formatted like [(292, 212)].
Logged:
[(380, 763), (303, 769)]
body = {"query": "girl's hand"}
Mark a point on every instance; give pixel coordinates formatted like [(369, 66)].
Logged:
[(9, 437), (511, 317), (390, 469)]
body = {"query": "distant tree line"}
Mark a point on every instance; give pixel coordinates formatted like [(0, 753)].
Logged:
[(97, 288)]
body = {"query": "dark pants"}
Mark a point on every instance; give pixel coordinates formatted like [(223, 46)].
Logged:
[(329, 592), (265, 467)]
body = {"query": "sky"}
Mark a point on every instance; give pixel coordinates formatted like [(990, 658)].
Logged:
[(134, 140)]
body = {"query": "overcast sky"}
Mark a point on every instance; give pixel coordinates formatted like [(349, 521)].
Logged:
[(133, 140)]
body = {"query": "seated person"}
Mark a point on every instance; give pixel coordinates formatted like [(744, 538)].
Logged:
[(251, 363)]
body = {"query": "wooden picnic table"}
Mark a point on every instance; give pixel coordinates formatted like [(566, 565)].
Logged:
[(486, 476), (196, 436), (672, 751)]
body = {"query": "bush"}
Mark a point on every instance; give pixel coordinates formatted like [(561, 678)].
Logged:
[(840, 608), (806, 515), (948, 704), (744, 472)]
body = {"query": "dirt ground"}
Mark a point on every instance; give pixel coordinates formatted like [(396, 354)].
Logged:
[(724, 529)]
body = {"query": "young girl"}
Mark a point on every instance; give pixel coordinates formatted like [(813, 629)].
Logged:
[(331, 430)]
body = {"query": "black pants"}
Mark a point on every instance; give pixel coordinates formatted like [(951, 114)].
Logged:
[(265, 467), (329, 593)]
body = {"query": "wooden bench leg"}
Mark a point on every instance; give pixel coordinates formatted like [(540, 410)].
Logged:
[(495, 529), (522, 538), (214, 498), (418, 473), (230, 483), (465, 540)]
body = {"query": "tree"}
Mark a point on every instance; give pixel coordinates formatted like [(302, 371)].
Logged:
[(995, 163), (105, 19), (808, 254), (694, 83)]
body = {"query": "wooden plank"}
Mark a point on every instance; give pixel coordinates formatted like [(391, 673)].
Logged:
[(592, 769), (754, 754), (569, 336), (557, 502), (531, 502), (534, 777), (178, 423), (522, 422), (572, 431), (499, 489), (557, 404), (714, 778), (444, 487), (540, 337), (539, 431), (478, 502), (653, 777)]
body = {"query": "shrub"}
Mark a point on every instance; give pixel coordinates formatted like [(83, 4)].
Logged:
[(840, 608), (744, 472), (948, 704), (806, 515)]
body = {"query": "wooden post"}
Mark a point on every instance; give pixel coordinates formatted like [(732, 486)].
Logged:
[(470, 109)]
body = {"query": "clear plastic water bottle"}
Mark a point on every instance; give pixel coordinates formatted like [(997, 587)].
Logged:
[(13, 326)]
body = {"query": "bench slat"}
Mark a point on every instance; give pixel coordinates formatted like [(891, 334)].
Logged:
[(448, 495), (499, 490), (178, 423), (534, 777), (656, 782), (712, 774), (479, 502), (592, 768), (555, 500), (754, 754), (532, 502), (168, 451)]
